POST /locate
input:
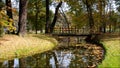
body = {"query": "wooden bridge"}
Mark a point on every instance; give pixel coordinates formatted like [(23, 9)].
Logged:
[(73, 31)]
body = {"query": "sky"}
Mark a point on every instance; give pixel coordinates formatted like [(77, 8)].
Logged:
[(64, 5)]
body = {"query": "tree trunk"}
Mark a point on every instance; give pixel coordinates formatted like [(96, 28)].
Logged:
[(55, 17), (36, 21), (104, 27), (1, 5), (47, 17), (103, 18), (100, 13), (90, 16), (22, 17), (9, 8), (1, 27)]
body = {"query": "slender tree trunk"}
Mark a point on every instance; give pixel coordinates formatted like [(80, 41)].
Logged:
[(100, 13), (55, 17), (1, 5), (110, 28), (47, 17), (115, 25), (22, 17), (90, 16), (104, 27), (36, 21), (9, 8), (103, 17), (1, 27)]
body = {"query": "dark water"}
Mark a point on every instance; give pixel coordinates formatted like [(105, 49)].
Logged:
[(64, 56)]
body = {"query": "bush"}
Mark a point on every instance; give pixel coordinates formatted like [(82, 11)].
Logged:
[(5, 22)]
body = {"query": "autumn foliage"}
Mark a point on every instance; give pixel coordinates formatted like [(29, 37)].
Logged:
[(5, 22)]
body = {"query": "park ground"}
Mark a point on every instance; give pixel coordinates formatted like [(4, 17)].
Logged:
[(12, 46), (112, 45)]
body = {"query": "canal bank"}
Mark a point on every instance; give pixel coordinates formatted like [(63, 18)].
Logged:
[(69, 53), (12, 46), (112, 57)]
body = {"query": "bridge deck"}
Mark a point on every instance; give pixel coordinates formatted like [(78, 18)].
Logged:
[(74, 34)]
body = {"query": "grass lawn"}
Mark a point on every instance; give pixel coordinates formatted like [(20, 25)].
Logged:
[(112, 58), (12, 46)]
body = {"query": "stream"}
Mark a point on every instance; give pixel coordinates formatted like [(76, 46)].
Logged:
[(72, 52)]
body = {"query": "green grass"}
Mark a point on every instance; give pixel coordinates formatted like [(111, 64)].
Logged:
[(12, 46), (112, 58)]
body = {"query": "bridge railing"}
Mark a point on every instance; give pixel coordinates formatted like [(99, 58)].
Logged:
[(71, 30)]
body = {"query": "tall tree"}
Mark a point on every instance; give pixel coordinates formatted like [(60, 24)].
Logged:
[(89, 5), (47, 17), (22, 17), (101, 9), (36, 15), (77, 14)]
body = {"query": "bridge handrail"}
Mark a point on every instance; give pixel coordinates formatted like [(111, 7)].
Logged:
[(70, 30)]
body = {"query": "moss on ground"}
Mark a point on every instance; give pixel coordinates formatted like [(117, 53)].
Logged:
[(12, 46)]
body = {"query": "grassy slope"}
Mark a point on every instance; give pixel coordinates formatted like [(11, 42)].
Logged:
[(12, 46), (112, 57)]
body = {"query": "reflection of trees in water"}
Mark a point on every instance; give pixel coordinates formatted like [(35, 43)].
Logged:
[(87, 57), (81, 56), (39, 60), (22, 63), (10, 63), (7, 64), (1, 64), (63, 58), (73, 57), (55, 59), (68, 41)]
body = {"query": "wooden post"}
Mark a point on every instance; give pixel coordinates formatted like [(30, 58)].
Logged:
[(62, 31), (75, 30)]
